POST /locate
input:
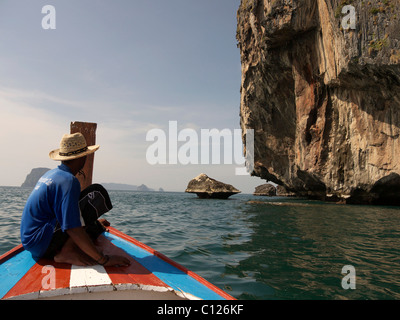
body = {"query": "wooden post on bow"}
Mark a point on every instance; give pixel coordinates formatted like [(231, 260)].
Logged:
[(88, 129)]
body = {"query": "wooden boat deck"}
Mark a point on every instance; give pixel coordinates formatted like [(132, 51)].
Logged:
[(151, 275)]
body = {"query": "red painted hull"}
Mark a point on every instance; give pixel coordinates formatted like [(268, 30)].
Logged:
[(149, 271)]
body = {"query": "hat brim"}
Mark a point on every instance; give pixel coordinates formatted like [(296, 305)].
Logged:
[(55, 154)]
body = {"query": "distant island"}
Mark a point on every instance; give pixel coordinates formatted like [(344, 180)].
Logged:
[(33, 177), (128, 187)]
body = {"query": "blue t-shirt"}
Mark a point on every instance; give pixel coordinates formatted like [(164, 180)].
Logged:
[(54, 199)]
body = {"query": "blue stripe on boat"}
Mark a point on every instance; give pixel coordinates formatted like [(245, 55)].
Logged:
[(12, 270), (172, 276)]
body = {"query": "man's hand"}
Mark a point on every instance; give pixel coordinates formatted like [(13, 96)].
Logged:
[(104, 223), (83, 241)]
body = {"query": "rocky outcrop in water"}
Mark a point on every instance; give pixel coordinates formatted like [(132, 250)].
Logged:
[(265, 190), (33, 177), (209, 188), (323, 99)]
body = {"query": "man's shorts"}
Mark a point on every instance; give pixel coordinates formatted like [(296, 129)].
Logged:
[(94, 201)]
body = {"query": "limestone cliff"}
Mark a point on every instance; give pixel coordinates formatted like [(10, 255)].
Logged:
[(323, 100)]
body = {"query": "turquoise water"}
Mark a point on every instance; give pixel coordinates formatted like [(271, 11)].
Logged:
[(255, 247)]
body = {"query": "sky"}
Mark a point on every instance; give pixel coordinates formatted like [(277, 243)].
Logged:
[(131, 66)]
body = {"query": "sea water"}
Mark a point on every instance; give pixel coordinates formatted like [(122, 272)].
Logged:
[(256, 247)]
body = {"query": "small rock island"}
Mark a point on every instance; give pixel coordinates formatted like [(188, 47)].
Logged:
[(209, 188), (265, 190)]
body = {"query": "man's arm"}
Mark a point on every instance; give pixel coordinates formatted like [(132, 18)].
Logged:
[(83, 241)]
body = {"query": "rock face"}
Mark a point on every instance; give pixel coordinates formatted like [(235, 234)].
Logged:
[(265, 190), (323, 100), (209, 188), (282, 192), (33, 177)]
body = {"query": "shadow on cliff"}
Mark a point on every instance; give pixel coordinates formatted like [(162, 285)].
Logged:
[(375, 90), (384, 192)]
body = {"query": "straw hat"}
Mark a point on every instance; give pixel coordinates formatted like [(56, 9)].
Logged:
[(72, 146)]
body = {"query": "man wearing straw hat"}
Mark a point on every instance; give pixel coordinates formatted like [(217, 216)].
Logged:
[(56, 221)]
